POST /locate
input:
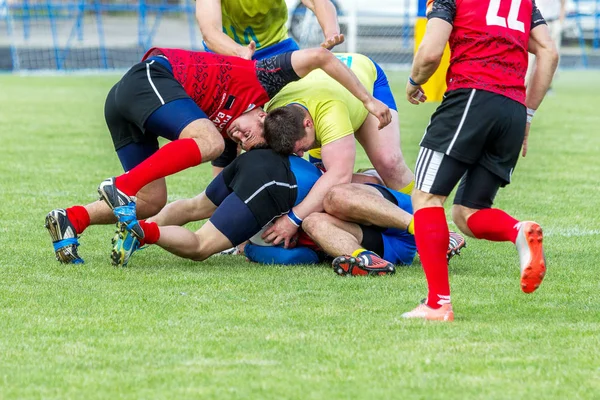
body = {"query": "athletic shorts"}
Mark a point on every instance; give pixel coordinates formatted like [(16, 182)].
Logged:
[(264, 181), (146, 103), (382, 90), (474, 135), (395, 245), (284, 46)]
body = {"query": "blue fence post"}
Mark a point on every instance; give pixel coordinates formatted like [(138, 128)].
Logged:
[(54, 31), (189, 9), (10, 31), (101, 39), (142, 24), (26, 19), (596, 43), (79, 20)]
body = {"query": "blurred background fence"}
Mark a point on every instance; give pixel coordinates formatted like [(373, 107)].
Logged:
[(113, 34)]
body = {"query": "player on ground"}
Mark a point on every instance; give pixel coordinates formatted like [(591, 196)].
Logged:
[(256, 29), (476, 134), (319, 113), (257, 187), (189, 98), (360, 223)]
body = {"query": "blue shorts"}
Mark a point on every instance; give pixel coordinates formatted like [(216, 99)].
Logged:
[(233, 218), (382, 90), (284, 46), (399, 246), (306, 176)]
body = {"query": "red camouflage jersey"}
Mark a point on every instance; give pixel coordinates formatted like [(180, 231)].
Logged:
[(488, 43), (224, 87)]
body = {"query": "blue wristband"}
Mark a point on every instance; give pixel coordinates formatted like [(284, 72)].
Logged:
[(294, 218), (412, 82)]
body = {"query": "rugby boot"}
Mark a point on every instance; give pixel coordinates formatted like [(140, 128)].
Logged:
[(423, 311), (64, 237), (123, 206), (366, 263), (531, 255), (457, 243), (124, 245)]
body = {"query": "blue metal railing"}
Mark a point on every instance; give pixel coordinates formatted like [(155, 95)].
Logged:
[(22, 19)]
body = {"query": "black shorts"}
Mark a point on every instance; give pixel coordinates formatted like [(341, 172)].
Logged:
[(475, 135), (264, 181), (143, 89)]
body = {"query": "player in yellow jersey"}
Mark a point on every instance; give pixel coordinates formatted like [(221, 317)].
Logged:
[(231, 26), (256, 29), (316, 112)]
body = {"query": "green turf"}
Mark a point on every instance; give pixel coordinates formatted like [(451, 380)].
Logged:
[(168, 328)]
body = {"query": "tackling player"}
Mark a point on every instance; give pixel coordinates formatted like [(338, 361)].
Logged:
[(477, 132), (319, 113), (189, 98), (256, 29)]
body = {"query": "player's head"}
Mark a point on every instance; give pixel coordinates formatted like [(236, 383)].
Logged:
[(247, 129), (290, 130)]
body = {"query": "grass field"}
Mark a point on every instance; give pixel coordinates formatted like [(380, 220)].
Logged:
[(167, 328)]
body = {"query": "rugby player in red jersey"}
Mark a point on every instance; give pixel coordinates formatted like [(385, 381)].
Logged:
[(477, 132), (189, 98)]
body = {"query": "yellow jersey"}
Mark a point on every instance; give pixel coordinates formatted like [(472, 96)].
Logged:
[(260, 20), (335, 111)]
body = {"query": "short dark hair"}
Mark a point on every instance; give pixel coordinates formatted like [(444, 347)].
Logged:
[(284, 126)]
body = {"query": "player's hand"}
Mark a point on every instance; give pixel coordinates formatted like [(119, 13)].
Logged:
[(524, 152), (415, 94), (332, 40), (379, 110), (248, 51), (283, 230)]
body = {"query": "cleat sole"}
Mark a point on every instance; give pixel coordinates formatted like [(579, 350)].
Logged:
[(535, 270)]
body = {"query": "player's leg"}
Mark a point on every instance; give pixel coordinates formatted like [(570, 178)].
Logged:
[(65, 225), (437, 174), (366, 204), (384, 152), (231, 224), (383, 146), (177, 213), (472, 211), (182, 211), (152, 100), (354, 247)]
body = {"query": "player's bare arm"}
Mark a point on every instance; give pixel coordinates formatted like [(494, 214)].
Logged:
[(542, 45), (427, 59), (209, 17), (338, 158), (327, 17), (305, 61)]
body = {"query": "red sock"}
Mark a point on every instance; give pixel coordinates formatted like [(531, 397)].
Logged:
[(79, 217), (168, 160), (432, 237), (151, 232), (493, 224)]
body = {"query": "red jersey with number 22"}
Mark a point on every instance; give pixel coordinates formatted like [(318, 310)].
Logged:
[(223, 87), (488, 43)]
